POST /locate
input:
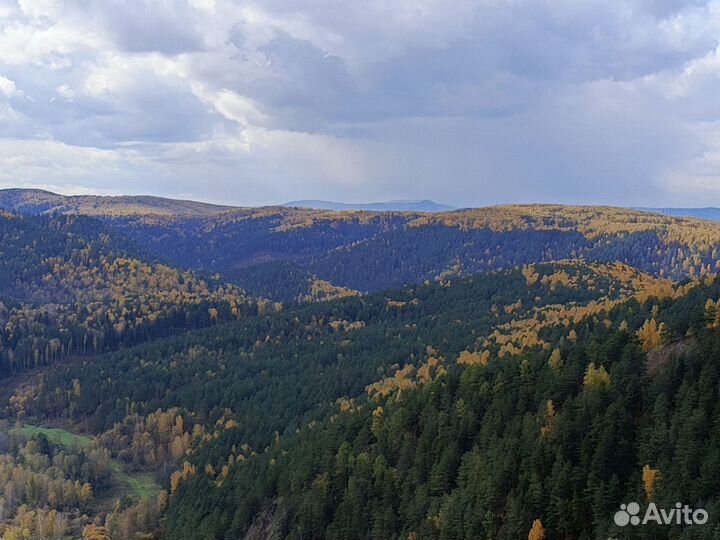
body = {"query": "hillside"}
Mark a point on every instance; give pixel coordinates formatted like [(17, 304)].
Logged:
[(352, 338), (69, 286), (419, 356), (486, 448), (36, 201), (488, 453), (285, 253), (278, 253)]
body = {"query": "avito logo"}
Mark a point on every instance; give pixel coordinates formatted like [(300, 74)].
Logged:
[(629, 514)]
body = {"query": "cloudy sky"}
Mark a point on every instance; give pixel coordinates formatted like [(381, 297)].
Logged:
[(464, 102)]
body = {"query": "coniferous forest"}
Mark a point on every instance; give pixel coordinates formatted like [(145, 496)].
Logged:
[(174, 370)]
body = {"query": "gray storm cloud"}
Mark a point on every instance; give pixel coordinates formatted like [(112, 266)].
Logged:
[(470, 103)]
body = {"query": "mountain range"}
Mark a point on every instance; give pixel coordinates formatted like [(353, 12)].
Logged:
[(36, 201), (286, 254)]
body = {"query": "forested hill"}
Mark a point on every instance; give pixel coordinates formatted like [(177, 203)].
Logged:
[(279, 253), (37, 201), (547, 443), (618, 407), (72, 285), (288, 254), (464, 408)]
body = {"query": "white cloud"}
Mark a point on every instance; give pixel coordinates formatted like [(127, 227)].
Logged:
[(203, 5), (65, 91), (236, 107), (8, 87), (28, 43), (37, 161), (39, 8)]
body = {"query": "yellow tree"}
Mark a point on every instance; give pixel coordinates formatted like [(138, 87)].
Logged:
[(556, 360), (650, 335), (549, 420), (650, 476), (596, 377), (537, 532), (93, 532), (473, 358)]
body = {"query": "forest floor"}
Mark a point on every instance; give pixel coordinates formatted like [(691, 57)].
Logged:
[(139, 486)]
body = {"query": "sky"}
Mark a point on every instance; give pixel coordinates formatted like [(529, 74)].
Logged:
[(468, 103)]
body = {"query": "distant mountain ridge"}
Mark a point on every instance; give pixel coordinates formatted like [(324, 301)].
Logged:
[(710, 212), (38, 201), (424, 205), (289, 253)]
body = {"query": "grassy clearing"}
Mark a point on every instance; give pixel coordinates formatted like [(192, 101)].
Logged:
[(56, 436), (139, 486)]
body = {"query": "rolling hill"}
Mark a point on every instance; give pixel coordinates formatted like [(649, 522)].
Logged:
[(70, 285), (36, 201), (280, 252), (288, 254)]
